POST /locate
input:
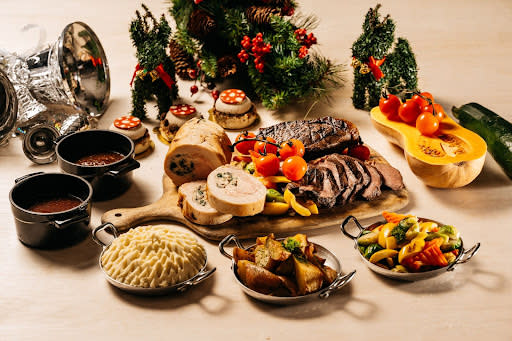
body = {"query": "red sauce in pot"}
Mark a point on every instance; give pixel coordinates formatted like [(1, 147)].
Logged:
[(53, 205), (100, 159)]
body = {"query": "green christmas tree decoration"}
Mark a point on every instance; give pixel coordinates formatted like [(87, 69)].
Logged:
[(154, 74), (260, 43), (377, 68)]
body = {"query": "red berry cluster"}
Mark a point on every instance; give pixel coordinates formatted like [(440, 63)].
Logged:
[(197, 2), (288, 11), (258, 49), (306, 39)]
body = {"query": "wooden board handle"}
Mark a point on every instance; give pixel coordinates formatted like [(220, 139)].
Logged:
[(126, 218)]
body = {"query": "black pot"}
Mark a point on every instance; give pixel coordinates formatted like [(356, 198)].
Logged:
[(108, 181), (50, 230)]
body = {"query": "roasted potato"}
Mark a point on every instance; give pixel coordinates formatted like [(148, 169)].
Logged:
[(309, 277)]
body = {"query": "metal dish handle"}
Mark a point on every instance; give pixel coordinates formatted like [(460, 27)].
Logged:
[(124, 168), (228, 239), (337, 284), (198, 278), (344, 224), (21, 178), (61, 224), (465, 257), (103, 228)]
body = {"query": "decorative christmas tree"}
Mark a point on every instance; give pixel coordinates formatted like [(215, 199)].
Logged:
[(260, 42), (376, 69), (154, 73)]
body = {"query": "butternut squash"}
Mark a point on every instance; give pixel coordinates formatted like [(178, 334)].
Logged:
[(453, 158)]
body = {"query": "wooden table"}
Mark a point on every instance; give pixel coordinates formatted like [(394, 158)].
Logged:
[(463, 49)]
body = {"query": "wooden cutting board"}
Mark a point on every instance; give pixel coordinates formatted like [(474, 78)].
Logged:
[(166, 208)]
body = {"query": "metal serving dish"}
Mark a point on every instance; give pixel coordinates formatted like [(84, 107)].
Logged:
[(330, 260), (105, 239), (463, 256)]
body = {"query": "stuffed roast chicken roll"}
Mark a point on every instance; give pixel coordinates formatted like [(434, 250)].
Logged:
[(193, 200), (199, 147)]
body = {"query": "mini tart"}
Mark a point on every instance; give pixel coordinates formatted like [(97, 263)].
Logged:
[(174, 119), (233, 110), (132, 127)]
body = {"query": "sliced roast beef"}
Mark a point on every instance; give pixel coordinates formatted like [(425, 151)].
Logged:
[(372, 191), (320, 136), (337, 179), (390, 175)]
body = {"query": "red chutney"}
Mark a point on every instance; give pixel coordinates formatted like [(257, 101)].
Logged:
[(53, 205), (100, 159)]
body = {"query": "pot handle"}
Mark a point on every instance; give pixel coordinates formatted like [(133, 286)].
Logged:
[(61, 224), (21, 178), (227, 240), (344, 224), (200, 277), (125, 167), (337, 284), (103, 228), (465, 257)]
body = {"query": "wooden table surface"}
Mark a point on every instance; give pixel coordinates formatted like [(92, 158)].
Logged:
[(463, 49)]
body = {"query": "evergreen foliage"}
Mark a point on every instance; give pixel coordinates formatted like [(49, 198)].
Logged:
[(287, 76), (151, 38), (399, 68)]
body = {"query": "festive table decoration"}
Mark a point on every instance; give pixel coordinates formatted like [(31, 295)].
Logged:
[(260, 42), (153, 75), (376, 66)]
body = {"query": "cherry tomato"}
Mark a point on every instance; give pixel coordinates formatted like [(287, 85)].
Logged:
[(244, 147), (294, 168), (421, 101), (259, 146), (427, 124), (389, 106), (361, 152), (409, 111), (440, 113), (266, 165), (293, 147)]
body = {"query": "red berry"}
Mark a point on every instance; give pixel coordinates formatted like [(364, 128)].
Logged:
[(192, 73), (215, 94), (199, 64), (197, 2), (194, 89)]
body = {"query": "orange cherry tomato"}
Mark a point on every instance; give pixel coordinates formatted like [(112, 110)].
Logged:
[(293, 147), (422, 101), (440, 113), (259, 146), (427, 124), (266, 165), (409, 111), (389, 106), (244, 147), (294, 168)]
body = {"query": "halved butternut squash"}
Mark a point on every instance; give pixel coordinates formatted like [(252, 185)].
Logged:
[(453, 158)]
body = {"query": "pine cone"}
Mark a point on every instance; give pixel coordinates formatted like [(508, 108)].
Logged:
[(261, 14), (227, 66), (182, 61), (201, 24)]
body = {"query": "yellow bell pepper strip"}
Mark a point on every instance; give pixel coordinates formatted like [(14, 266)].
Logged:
[(384, 233), (311, 206), (278, 179), (413, 248), (400, 268), (275, 208), (391, 243), (289, 197), (382, 254)]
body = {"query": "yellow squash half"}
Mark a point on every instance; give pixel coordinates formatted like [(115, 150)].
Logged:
[(451, 159)]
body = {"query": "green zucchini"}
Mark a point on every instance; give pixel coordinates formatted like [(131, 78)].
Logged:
[(494, 129)]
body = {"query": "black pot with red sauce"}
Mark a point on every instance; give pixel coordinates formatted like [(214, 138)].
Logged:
[(51, 210), (102, 157)]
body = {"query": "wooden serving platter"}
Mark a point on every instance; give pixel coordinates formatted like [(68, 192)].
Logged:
[(166, 208)]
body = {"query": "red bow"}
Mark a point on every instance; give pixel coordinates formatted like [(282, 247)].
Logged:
[(96, 61), (375, 67), (161, 73)]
